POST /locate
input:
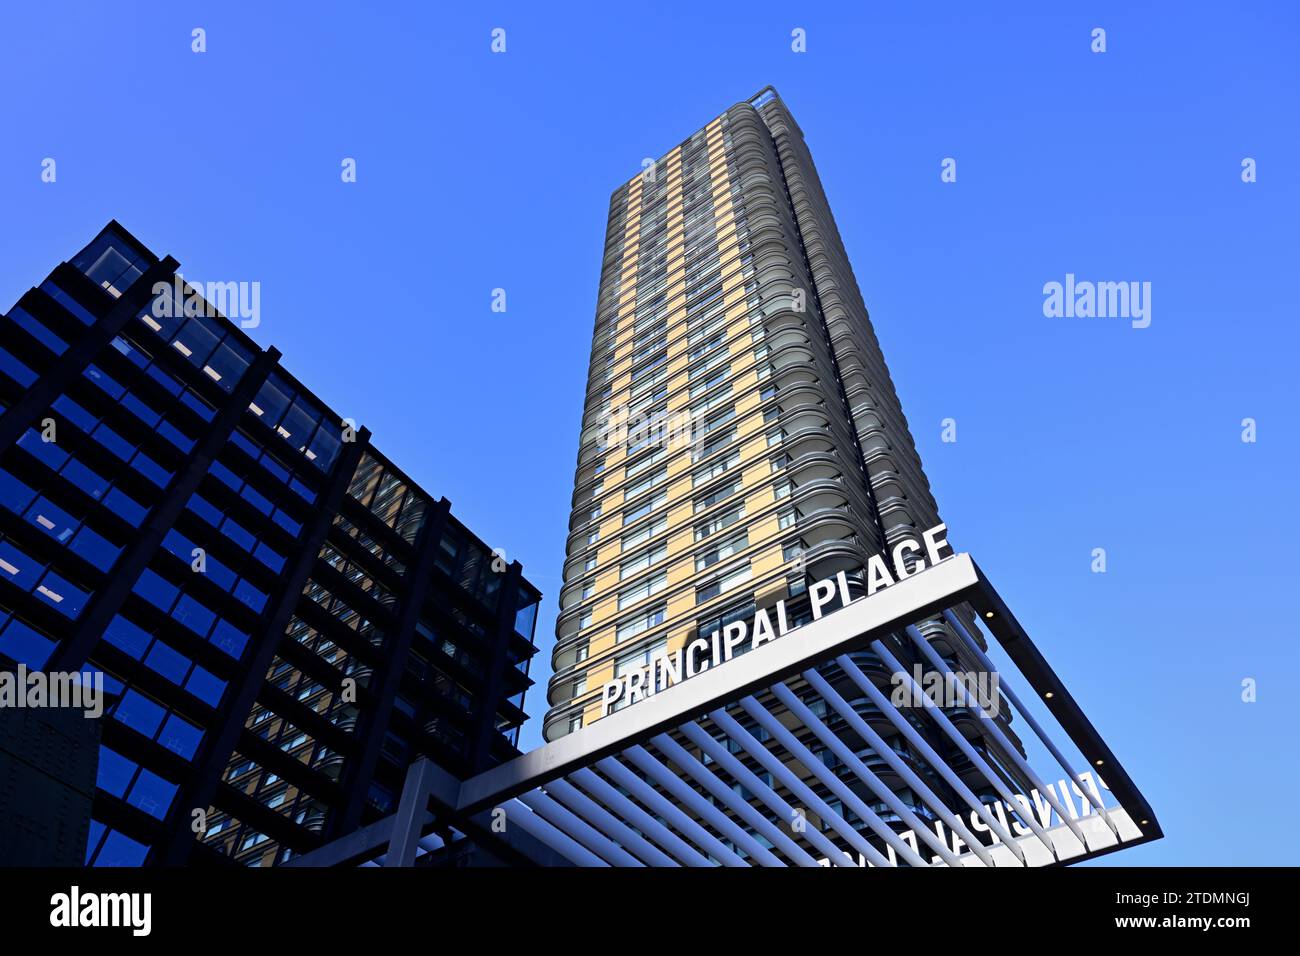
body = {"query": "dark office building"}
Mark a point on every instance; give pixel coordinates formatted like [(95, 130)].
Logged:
[(47, 784), (284, 620)]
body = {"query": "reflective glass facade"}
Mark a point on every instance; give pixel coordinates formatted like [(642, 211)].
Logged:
[(284, 620)]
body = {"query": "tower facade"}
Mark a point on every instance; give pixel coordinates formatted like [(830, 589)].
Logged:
[(741, 434)]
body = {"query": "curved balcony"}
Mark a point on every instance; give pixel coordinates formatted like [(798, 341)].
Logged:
[(790, 355), (793, 375), (830, 557), (346, 724), (804, 416), (570, 595), (814, 467), (575, 564), (788, 336), (823, 495), (577, 539), (331, 765), (809, 443), (559, 689), (566, 626), (825, 525), (779, 314)]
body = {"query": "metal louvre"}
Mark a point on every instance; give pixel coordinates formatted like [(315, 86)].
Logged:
[(799, 754), (781, 818)]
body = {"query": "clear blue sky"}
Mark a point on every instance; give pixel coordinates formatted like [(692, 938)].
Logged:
[(479, 171)]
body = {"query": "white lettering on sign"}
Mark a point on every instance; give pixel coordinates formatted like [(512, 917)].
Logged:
[(700, 654)]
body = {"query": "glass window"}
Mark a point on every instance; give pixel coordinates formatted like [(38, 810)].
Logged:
[(641, 622), (721, 552), (274, 467), (287, 523), (325, 445), (68, 302), (24, 320), (165, 379), (95, 548), (25, 644), (14, 495), (196, 340), (152, 794), (643, 508), (85, 479), (157, 591), (110, 263), (180, 736), (725, 582), (92, 841), (127, 637), (64, 596), (18, 567), (155, 472), (299, 424), (114, 442), (229, 639), (198, 405), (75, 413), (228, 364), (256, 499), (236, 532), (133, 354), (268, 557), (140, 410), (302, 490), (47, 452), (104, 381), (115, 772), (226, 476), (139, 713), (526, 617), (168, 662), (205, 509), (125, 507), (16, 370), (220, 574), (272, 401), (120, 850), (206, 686), (194, 615), (175, 436), (250, 595), (643, 589)]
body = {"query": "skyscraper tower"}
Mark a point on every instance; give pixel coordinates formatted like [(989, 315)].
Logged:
[(741, 434)]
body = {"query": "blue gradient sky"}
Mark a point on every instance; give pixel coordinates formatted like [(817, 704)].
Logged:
[(479, 171)]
